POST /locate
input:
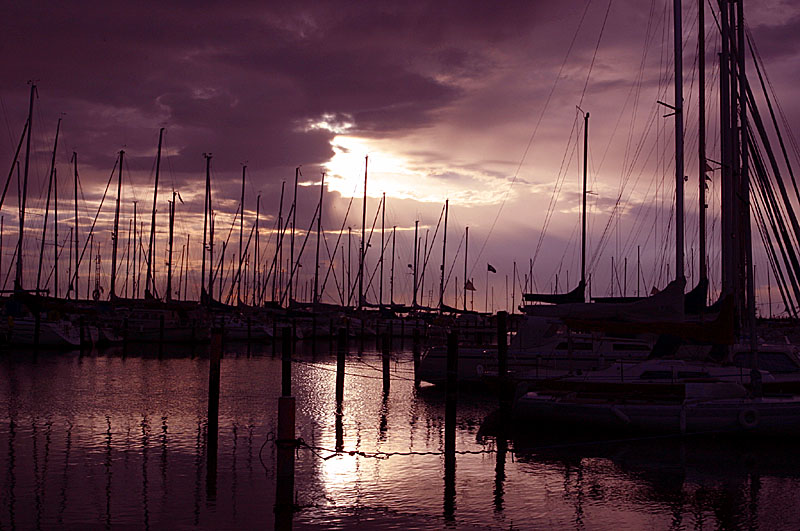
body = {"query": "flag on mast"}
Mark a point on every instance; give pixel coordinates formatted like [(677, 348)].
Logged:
[(491, 268)]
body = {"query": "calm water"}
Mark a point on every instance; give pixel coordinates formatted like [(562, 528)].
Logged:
[(103, 440)]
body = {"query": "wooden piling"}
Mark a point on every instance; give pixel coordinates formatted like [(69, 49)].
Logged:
[(341, 352), (502, 361), (286, 442), (450, 427), (215, 355), (286, 361), (417, 352), (284, 477)]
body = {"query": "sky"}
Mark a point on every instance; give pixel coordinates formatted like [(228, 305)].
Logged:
[(467, 101)]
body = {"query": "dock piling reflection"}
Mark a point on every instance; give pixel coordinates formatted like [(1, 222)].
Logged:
[(215, 353), (286, 442), (450, 427)]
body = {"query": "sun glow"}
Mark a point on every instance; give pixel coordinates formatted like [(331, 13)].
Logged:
[(401, 177)]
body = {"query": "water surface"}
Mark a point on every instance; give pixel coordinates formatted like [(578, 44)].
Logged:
[(103, 440)]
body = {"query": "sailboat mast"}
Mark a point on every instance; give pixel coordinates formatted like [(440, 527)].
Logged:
[(383, 244), (278, 248), (679, 171), (319, 237), (745, 179), (47, 208), (186, 269), (255, 261), (701, 138), (115, 234), (583, 209), (362, 254), (135, 279), (444, 250), (291, 239), (148, 293), (466, 253), (211, 251), (20, 253), (391, 279), (205, 227), (75, 228), (241, 237), (169, 255), (55, 232), (416, 260)]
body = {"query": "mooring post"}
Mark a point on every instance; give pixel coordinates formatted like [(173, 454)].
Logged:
[(341, 352), (286, 442), (294, 335), (502, 362), (386, 358), (417, 354), (450, 426), (286, 361), (215, 355)]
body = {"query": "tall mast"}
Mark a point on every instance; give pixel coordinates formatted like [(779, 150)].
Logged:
[(444, 249), (135, 279), (115, 234), (47, 208), (678, 32), (255, 262), (383, 231), (241, 236), (55, 232), (294, 222), (362, 254), (391, 279), (349, 266), (169, 256), (89, 265), (128, 259), (75, 228), (203, 298), (278, 248), (151, 248), (186, 269), (20, 253), (211, 251), (416, 260), (319, 237), (745, 179), (701, 138), (583, 208), (466, 253), (725, 154)]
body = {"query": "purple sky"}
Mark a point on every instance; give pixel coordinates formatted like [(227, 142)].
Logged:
[(443, 96)]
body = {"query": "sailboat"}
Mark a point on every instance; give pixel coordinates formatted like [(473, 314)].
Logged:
[(671, 395)]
